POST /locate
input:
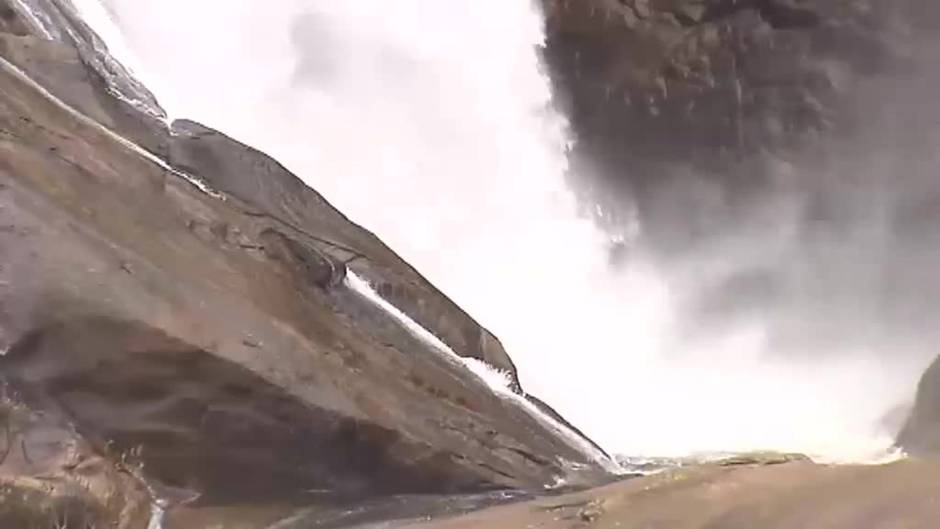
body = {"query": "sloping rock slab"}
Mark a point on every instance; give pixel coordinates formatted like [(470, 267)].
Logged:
[(181, 304)]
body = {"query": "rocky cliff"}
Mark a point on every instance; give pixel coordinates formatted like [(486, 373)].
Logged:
[(721, 93), (184, 322), (920, 434), (776, 158)]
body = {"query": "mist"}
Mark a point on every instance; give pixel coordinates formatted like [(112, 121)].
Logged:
[(430, 122)]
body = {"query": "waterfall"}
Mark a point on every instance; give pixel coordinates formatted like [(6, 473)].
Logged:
[(430, 123)]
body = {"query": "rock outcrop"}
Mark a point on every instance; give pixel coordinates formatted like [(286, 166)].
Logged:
[(665, 94), (177, 323), (774, 158), (920, 435)]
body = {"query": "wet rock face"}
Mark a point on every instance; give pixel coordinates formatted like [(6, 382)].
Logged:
[(58, 21), (666, 93), (199, 423), (269, 189), (773, 157), (11, 22), (177, 305)]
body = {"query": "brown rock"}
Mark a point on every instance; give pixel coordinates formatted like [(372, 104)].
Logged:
[(744, 497), (178, 302)]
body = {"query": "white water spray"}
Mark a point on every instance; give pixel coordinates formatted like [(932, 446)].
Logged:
[(428, 122), (497, 381)]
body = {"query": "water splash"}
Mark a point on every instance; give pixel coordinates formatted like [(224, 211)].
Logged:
[(429, 122), (157, 515), (497, 381)]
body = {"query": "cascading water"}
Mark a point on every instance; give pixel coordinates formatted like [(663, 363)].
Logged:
[(429, 122)]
